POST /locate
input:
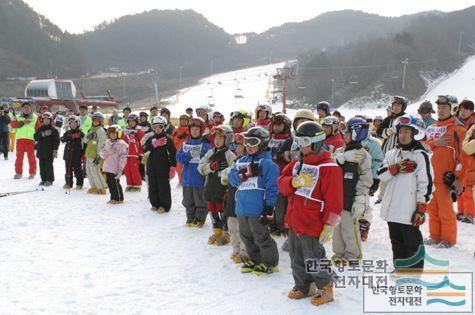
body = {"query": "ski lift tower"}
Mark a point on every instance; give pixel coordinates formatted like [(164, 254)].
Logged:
[(284, 75)]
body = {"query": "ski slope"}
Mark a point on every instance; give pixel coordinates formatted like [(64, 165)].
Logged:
[(255, 84)]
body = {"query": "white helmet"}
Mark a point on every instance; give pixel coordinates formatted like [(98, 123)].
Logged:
[(160, 120), (449, 100), (204, 107)]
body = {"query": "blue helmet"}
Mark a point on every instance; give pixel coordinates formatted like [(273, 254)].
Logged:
[(358, 129), (98, 115), (324, 106)]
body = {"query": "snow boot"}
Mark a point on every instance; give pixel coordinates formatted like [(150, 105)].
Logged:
[(262, 269), (161, 210), (155, 209), (224, 239), (431, 241), (189, 223), (78, 187), (92, 191), (468, 219), (248, 266), (47, 184), (444, 244), (17, 176), (236, 259), (323, 296), (66, 186), (213, 238), (102, 191), (296, 294), (42, 183), (31, 176), (197, 224)]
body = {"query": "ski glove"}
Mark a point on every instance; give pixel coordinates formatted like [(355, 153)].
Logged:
[(359, 206), (172, 173), (402, 167), (160, 142), (419, 216), (46, 133), (449, 178), (253, 170), (267, 216), (326, 234), (303, 180)]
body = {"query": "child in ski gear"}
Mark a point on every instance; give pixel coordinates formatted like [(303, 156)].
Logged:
[(313, 184), (25, 125), (126, 112), (218, 119), (193, 182), (373, 146), (47, 143), (280, 132), (333, 139), (212, 165), (407, 172), (263, 116), (132, 135), (239, 122), (180, 136), (161, 166), (146, 127), (5, 121), (239, 253), (288, 150), (115, 158), (468, 147), (357, 180), (323, 110), (255, 176), (73, 152), (94, 141), (444, 139), (165, 113)]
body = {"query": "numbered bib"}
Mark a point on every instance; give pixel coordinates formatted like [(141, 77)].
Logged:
[(249, 184), (195, 151), (315, 171), (436, 132)]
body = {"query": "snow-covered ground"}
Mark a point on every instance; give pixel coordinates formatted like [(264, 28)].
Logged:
[(62, 253)]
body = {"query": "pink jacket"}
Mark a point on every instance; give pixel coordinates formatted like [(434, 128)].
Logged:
[(114, 154)]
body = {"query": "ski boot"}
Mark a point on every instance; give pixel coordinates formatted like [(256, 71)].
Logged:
[(78, 187), (444, 244), (92, 191), (31, 176), (323, 296), (154, 209), (224, 239), (17, 176), (161, 210), (217, 234), (47, 184), (460, 216), (189, 223), (66, 186), (431, 241), (197, 224), (102, 191), (128, 188), (42, 183), (263, 269)]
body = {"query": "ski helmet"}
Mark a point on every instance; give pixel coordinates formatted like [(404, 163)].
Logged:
[(399, 100), (224, 131), (165, 110), (282, 118), (160, 120), (184, 117), (448, 100), (310, 133), (133, 117), (324, 106), (358, 129), (244, 115), (413, 122), (380, 118), (74, 119), (257, 137), (263, 108), (302, 114), (425, 108), (99, 116), (218, 115), (333, 122), (203, 107), (144, 114), (197, 122)]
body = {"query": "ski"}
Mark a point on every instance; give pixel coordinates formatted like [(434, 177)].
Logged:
[(13, 193)]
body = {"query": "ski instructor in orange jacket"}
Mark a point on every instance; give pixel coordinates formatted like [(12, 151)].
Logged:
[(445, 140)]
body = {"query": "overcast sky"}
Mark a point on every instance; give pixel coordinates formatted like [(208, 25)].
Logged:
[(236, 16)]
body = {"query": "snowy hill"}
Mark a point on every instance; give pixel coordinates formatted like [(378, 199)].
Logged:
[(241, 89)]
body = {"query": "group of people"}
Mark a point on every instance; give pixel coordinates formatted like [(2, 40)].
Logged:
[(309, 178)]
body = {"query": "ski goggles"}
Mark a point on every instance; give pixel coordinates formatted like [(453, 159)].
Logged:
[(47, 115), (251, 142), (304, 142), (329, 121)]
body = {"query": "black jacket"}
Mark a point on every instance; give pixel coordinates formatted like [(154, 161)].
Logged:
[(214, 191), (161, 158), (47, 141), (74, 149), (389, 141)]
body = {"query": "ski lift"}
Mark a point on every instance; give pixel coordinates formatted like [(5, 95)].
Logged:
[(238, 93), (210, 100)]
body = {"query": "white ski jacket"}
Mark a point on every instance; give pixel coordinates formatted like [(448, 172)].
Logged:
[(404, 191)]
